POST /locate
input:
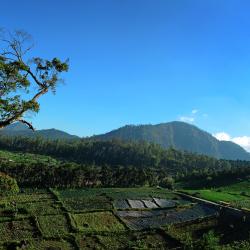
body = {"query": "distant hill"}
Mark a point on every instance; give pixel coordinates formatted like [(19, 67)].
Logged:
[(20, 129), (179, 135)]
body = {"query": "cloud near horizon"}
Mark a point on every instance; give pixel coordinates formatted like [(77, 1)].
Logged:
[(243, 141), (188, 119)]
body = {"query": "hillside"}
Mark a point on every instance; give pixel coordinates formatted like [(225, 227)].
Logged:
[(181, 136), (19, 129)]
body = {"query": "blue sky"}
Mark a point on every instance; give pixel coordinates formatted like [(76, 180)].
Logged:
[(140, 61)]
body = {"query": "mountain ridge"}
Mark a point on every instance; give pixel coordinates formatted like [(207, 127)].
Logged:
[(179, 135), (20, 129)]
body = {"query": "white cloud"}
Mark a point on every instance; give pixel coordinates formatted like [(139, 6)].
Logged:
[(194, 111), (187, 119), (243, 141), (222, 136)]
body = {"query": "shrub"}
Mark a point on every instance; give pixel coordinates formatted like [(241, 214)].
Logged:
[(8, 184)]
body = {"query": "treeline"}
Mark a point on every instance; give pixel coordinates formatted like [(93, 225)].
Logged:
[(73, 175), (113, 153), (86, 163), (212, 178)]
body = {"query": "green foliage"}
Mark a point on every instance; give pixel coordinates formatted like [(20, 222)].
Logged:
[(98, 222), (230, 193), (181, 136), (8, 184), (23, 82), (209, 241), (53, 225)]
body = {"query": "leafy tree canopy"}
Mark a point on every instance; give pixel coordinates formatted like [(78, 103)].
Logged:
[(24, 80)]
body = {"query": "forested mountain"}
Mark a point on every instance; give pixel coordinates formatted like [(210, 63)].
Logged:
[(111, 163), (179, 135), (80, 163), (19, 129)]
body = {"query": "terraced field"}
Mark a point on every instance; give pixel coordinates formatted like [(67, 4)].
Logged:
[(111, 218), (237, 194)]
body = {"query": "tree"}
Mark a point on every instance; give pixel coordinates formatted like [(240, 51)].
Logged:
[(22, 80)]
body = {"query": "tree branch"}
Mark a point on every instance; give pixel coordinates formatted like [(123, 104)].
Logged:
[(18, 115), (27, 123)]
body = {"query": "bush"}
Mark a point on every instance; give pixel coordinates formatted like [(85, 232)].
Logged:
[(209, 241), (8, 184)]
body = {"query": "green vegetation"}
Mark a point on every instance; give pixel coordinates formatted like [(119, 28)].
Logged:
[(89, 163), (236, 194), (98, 222), (214, 195), (181, 136), (26, 158), (124, 208), (8, 184), (90, 226), (23, 81), (53, 225)]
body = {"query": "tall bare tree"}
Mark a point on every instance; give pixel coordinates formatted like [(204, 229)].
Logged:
[(23, 80)]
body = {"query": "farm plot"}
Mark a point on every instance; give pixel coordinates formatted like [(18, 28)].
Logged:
[(33, 197), (85, 242), (150, 204), (136, 240), (79, 193), (136, 204), (164, 203), (33, 244), (121, 204), (53, 225), (7, 212), (128, 240), (214, 195), (195, 229), (98, 222), (40, 207), (138, 193), (241, 204), (154, 240), (156, 218), (17, 230), (87, 204)]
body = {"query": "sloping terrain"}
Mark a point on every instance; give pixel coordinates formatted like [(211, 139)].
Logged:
[(97, 219), (179, 135), (19, 129)]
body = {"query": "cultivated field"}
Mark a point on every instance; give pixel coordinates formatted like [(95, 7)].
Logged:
[(100, 218), (236, 195)]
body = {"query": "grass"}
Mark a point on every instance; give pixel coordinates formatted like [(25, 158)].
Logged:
[(16, 230), (50, 244), (85, 242), (53, 225), (87, 204), (6, 156), (24, 197), (116, 193), (41, 207), (215, 196), (237, 194), (98, 222)]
